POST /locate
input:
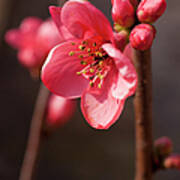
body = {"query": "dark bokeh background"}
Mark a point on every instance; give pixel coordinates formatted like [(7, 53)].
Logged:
[(76, 151)]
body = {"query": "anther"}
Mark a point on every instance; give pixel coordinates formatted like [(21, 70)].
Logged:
[(81, 47), (94, 44), (84, 42), (71, 53), (99, 86), (88, 50), (83, 63), (100, 63), (91, 84), (91, 70), (78, 73)]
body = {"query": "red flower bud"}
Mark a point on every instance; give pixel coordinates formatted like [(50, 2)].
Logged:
[(123, 13), (121, 39), (163, 146), (172, 161), (142, 36), (150, 10), (59, 111)]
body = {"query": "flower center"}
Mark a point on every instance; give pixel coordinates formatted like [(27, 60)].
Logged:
[(94, 60)]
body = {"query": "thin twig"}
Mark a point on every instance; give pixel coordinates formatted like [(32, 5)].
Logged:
[(143, 115), (35, 135)]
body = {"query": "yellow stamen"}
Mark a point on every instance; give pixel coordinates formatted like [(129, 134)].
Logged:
[(91, 70), (71, 53), (81, 47)]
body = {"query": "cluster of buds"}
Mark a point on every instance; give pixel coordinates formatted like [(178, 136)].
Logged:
[(124, 14), (163, 156)]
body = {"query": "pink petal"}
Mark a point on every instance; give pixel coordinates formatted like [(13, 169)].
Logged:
[(12, 37), (127, 77), (128, 52), (59, 72), (99, 107), (56, 16), (82, 19)]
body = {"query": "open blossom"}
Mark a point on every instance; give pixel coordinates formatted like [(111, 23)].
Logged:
[(34, 39), (89, 66), (59, 110)]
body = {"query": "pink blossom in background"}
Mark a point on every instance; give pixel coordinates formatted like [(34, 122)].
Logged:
[(59, 111), (173, 161), (89, 66), (33, 39)]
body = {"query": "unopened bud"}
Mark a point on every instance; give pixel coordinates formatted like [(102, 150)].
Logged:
[(163, 146), (123, 13), (172, 161), (150, 10), (121, 39), (142, 36)]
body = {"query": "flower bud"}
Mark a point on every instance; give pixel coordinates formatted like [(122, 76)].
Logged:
[(163, 146), (150, 10), (59, 111), (142, 36), (172, 161), (123, 13), (121, 39)]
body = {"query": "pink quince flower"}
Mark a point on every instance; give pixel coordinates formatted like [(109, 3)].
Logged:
[(34, 39), (89, 66), (59, 111)]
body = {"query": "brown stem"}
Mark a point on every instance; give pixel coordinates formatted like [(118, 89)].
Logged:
[(143, 115), (35, 135)]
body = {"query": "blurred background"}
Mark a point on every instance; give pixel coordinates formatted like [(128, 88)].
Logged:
[(76, 151)]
